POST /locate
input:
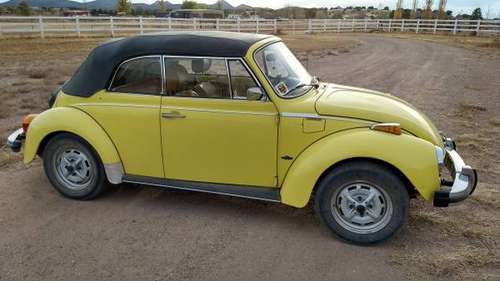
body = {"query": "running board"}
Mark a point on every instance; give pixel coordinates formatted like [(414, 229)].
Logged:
[(251, 192)]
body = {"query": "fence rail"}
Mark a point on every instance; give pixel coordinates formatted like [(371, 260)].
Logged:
[(118, 26)]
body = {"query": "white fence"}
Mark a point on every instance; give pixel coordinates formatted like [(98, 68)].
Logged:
[(119, 26)]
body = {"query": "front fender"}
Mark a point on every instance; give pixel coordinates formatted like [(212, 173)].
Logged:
[(72, 120), (413, 156)]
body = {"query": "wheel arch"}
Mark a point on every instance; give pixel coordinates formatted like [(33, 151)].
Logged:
[(55, 121), (410, 188), (411, 158)]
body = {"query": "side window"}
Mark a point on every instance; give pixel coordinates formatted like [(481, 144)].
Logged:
[(139, 76), (197, 77), (241, 80)]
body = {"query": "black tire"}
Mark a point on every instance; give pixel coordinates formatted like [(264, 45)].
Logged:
[(89, 168), (365, 177)]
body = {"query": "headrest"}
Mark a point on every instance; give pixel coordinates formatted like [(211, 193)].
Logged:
[(200, 65)]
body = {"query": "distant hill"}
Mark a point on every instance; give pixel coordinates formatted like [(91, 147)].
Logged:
[(221, 4), (244, 7), (97, 4), (45, 3)]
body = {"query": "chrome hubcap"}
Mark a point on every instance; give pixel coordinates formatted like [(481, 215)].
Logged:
[(362, 207), (74, 169)]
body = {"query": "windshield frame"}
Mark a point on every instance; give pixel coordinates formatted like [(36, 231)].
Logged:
[(285, 96)]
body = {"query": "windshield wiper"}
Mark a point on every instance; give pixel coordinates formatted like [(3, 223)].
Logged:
[(314, 83)]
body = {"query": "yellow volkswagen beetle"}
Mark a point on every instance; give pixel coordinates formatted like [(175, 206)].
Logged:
[(237, 114)]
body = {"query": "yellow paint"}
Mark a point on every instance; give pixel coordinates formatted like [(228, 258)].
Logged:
[(220, 141), (133, 124), (244, 142), (71, 120), (413, 156)]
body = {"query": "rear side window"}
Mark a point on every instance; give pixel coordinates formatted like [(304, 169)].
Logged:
[(138, 76)]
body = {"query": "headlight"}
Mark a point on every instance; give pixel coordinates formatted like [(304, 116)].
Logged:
[(440, 154)]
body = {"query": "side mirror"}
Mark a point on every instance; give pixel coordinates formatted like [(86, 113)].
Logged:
[(254, 93)]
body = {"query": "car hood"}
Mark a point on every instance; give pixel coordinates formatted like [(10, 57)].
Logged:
[(375, 106)]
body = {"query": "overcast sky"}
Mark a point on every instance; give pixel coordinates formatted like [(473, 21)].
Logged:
[(455, 5), (458, 6)]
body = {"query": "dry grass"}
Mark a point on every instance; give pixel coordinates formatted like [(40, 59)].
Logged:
[(470, 42)]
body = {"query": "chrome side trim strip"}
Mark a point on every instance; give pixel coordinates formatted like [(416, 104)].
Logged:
[(114, 172), (117, 104), (317, 116), (219, 111), (300, 115)]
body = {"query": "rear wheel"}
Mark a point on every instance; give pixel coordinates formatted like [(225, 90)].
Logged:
[(73, 167), (362, 202)]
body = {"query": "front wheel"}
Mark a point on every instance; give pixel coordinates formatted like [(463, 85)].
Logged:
[(73, 167), (362, 202)]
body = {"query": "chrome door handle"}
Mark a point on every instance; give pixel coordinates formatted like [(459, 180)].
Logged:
[(172, 115)]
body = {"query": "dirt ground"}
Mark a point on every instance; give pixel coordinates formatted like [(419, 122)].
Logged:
[(135, 233)]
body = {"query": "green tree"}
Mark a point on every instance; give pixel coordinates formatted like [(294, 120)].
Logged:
[(123, 7), (477, 14), (24, 9), (161, 6), (189, 5)]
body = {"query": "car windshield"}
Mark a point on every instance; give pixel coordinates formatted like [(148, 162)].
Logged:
[(285, 72)]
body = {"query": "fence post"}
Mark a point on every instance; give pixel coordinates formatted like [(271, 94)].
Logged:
[(324, 25), (77, 26), (293, 27), (366, 25), (338, 25), (239, 24), (169, 23), (352, 24), (455, 27), (390, 25), (194, 24), (377, 26), (435, 26), (310, 26), (402, 25), (418, 25), (217, 24), (40, 23), (112, 26), (257, 25), (141, 26), (478, 27), (275, 26)]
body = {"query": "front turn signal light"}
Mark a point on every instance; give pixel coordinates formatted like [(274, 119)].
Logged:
[(26, 121), (391, 128)]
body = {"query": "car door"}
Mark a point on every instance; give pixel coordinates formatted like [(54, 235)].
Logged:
[(129, 112), (216, 128)]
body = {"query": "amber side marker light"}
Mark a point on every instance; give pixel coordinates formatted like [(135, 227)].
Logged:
[(26, 122), (391, 128)]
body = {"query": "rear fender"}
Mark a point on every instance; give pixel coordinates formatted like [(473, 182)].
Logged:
[(414, 157), (75, 121)]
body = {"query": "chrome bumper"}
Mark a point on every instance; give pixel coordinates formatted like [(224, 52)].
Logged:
[(15, 140), (464, 179)]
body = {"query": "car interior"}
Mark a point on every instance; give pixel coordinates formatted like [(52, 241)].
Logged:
[(198, 77)]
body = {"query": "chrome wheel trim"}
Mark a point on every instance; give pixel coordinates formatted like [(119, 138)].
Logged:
[(74, 168), (362, 207)]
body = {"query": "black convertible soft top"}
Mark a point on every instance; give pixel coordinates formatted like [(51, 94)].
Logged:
[(96, 71)]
